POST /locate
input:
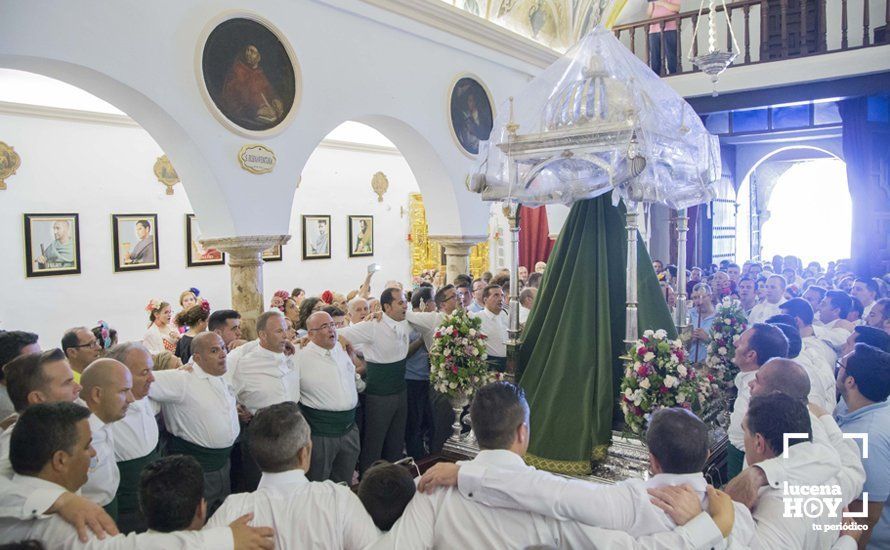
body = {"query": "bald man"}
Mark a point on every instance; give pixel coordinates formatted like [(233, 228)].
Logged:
[(201, 414), (328, 399), (107, 392)]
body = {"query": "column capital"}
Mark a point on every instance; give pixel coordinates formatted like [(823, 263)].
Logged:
[(246, 249), (459, 245)]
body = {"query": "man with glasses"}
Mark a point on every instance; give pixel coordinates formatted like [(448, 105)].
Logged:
[(328, 400), (81, 348)]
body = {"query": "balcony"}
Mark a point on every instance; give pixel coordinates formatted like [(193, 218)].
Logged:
[(766, 30)]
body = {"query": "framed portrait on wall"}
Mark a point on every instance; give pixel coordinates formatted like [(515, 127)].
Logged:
[(361, 236), (250, 75), (272, 254), (197, 254), (52, 244), (316, 237), (470, 113), (135, 241)]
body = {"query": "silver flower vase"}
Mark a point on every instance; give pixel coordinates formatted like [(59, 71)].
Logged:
[(458, 402)]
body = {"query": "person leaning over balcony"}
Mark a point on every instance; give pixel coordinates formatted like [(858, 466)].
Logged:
[(663, 8)]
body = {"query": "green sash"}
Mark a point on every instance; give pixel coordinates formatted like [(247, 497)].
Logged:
[(111, 508), (210, 460), (329, 423), (128, 490), (497, 364), (385, 378)]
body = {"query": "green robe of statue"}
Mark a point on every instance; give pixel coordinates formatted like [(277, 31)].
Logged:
[(569, 358)]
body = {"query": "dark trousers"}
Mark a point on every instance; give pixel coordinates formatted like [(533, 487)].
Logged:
[(419, 423), (334, 458), (385, 417), (443, 418), (735, 462), (217, 487), (670, 51)]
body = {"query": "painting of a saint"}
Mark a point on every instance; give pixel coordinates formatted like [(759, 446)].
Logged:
[(471, 114), (316, 237), (361, 235), (52, 244), (249, 74), (135, 241)]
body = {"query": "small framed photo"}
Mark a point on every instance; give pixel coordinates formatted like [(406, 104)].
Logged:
[(135, 241), (197, 254), (361, 236), (272, 254), (316, 237), (52, 244)]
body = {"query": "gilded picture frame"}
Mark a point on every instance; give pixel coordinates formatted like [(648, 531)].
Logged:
[(470, 111)]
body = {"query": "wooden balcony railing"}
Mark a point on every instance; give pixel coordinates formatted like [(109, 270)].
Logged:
[(766, 30)]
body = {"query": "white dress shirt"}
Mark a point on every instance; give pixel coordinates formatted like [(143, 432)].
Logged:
[(21, 502), (740, 409), (426, 323), (625, 506), (327, 378), (384, 341), (265, 378), (304, 514), (233, 359), (763, 311), (814, 358), (136, 434), (198, 407), (494, 326), (55, 533), (523, 314), (833, 335), (448, 519), (104, 477), (5, 464)]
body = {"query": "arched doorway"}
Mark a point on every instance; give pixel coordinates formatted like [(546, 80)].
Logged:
[(795, 200)]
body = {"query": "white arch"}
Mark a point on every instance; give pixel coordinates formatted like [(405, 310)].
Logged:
[(197, 177)]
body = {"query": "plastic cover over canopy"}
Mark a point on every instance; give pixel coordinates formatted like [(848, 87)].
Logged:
[(598, 120)]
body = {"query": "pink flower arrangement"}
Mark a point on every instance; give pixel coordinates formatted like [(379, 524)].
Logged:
[(729, 324), (656, 376), (458, 363)]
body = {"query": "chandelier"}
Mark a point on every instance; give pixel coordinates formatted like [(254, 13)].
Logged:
[(715, 61)]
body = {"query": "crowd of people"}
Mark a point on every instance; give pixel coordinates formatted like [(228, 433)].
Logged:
[(190, 436)]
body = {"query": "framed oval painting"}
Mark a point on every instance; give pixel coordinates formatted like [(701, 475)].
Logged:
[(470, 113), (250, 75)]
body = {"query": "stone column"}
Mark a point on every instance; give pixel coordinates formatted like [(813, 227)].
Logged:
[(245, 259), (457, 253)]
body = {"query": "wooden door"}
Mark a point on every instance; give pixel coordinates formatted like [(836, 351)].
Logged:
[(784, 21)]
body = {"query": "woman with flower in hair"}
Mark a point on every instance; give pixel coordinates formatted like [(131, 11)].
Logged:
[(161, 334), (278, 300), (105, 335), (195, 318)]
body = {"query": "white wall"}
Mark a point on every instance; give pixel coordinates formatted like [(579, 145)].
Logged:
[(96, 170)]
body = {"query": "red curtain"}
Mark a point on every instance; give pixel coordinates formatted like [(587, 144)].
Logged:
[(535, 243)]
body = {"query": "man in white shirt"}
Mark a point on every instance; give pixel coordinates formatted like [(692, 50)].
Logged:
[(757, 345), (446, 518), (816, 356), (328, 398), (51, 449), (526, 301), (832, 325), (107, 393), (12, 344), (747, 290), (136, 435), (265, 375), (304, 514), (879, 315), (81, 348), (866, 291), (200, 413), (226, 323), (494, 326), (385, 345), (775, 295)]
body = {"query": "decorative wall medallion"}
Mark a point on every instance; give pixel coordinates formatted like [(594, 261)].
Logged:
[(379, 183), (165, 173), (9, 163), (256, 158), (250, 75)]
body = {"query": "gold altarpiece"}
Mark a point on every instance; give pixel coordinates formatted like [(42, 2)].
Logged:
[(428, 254)]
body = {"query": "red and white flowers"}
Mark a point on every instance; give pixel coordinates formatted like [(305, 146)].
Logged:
[(729, 324), (457, 359)]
